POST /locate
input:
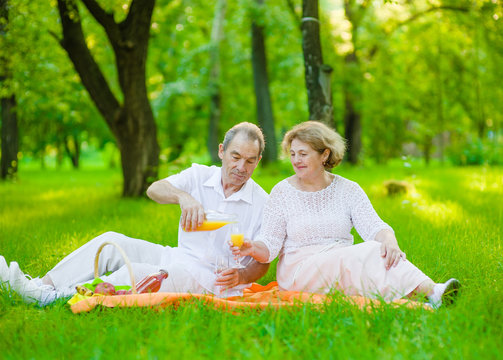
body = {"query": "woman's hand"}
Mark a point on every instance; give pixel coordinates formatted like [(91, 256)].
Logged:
[(390, 250), (255, 249), (246, 249)]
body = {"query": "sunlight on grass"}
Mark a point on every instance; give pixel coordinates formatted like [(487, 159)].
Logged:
[(450, 225), (485, 181), (435, 212), (52, 195)]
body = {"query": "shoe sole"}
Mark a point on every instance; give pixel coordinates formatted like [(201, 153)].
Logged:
[(451, 292)]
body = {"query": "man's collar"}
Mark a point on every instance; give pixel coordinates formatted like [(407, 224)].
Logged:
[(245, 193)]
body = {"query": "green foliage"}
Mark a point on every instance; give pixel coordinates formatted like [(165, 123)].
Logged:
[(178, 70), (469, 150), (53, 104), (451, 225), (425, 73)]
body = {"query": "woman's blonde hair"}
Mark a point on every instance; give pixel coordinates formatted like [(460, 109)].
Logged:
[(320, 137)]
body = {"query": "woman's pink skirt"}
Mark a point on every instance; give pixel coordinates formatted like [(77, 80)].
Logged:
[(355, 270)]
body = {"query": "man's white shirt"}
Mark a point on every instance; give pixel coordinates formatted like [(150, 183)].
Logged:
[(197, 250)]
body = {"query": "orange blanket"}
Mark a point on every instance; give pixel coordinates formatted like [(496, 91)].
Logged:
[(257, 296)]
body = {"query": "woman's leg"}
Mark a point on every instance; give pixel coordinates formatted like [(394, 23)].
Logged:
[(403, 280), (425, 288), (356, 270)]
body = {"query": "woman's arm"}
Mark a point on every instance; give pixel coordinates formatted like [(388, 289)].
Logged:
[(256, 249), (272, 231), (370, 227), (390, 250)]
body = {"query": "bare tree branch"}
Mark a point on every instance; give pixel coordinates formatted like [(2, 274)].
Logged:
[(291, 7), (90, 74), (104, 19), (55, 36), (139, 18), (429, 10), (414, 17)]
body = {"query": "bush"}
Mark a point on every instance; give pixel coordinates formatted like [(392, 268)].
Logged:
[(475, 151)]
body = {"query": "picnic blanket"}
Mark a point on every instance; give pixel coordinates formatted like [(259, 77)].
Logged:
[(255, 297)]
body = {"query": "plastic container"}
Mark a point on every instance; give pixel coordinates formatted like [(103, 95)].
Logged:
[(214, 220), (151, 283)]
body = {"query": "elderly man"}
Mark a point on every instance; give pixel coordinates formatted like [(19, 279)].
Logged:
[(191, 265)]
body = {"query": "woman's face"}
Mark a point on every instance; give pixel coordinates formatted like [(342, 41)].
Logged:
[(307, 162)]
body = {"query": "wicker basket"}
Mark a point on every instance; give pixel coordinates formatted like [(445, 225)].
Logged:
[(124, 256)]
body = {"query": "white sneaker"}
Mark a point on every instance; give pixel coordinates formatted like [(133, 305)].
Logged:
[(445, 293), (4, 270), (31, 290)]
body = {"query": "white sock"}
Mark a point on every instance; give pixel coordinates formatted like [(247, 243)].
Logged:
[(436, 296)]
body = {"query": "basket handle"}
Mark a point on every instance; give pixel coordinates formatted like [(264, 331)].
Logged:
[(124, 256)]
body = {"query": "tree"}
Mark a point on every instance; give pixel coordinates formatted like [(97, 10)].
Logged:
[(265, 115), (9, 136), (214, 80), (352, 83), (131, 121), (317, 74)]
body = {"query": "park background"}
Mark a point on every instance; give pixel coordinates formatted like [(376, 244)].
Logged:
[(100, 98)]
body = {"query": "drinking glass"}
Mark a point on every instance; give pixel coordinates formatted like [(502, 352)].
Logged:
[(237, 239), (222, 262)]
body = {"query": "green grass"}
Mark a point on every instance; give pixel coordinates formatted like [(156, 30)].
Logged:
[(450, 225)]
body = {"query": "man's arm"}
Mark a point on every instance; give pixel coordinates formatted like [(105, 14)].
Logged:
[(163, 192), (253, 272), (232, 277)]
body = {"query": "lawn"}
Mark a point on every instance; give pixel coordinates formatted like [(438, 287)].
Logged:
[(449, 225)]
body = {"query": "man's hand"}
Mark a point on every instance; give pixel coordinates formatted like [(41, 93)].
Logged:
[(228, 278), (192, 212), (163, 192)]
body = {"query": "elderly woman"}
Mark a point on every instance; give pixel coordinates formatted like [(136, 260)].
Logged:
[(308, 219)]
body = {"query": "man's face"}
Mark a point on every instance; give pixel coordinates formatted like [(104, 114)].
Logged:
[(239, 160)]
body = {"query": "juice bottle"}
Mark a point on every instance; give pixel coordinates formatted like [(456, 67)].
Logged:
[(151, 283), (214, 220), (209, 225)]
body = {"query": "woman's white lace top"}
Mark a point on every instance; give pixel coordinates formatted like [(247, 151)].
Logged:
[(294, 218)]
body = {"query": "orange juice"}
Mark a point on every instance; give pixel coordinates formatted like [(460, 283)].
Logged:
[(209, 225), (237, 239)]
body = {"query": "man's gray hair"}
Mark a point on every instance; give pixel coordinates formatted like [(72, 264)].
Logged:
[(251, 131)]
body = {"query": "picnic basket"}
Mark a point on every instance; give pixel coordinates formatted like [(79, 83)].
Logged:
[(125, 258)]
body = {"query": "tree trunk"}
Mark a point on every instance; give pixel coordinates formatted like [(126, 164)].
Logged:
[(10, 144), (265, 115), (479, 105), (440, 99), (9, 132), (427, 146), (319, 95), (72, 148), (217, 33), (132, 122), (352, 116), (354, 12)]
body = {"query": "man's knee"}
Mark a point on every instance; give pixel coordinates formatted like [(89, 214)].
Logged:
[(110, 236)]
